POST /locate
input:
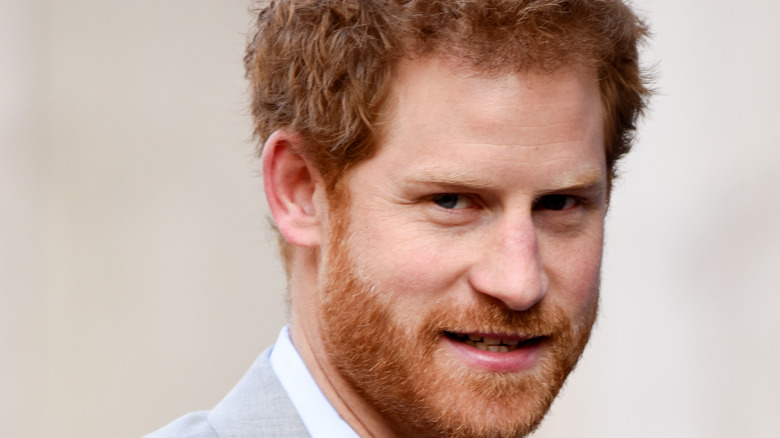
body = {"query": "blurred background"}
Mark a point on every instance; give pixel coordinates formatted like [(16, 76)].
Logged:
[(138, 278)]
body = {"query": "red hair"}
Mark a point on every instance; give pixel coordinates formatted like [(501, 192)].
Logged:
[(323, 68)]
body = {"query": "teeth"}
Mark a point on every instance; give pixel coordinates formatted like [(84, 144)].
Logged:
[(491, 344)]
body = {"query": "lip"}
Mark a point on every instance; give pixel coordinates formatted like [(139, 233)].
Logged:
[(522, 359)]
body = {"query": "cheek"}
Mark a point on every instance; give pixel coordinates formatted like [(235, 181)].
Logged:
[(574, 269), (406, 268)]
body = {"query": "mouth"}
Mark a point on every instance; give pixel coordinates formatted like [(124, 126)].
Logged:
[(496, 352), (495, 343)]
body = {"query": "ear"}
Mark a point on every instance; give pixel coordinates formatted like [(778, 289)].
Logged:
[(291, 186)]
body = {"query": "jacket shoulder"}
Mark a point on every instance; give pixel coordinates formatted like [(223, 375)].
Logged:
[(257, 407), (193, 425)]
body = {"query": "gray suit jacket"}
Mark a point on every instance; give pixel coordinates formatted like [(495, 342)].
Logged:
[(258, 407)]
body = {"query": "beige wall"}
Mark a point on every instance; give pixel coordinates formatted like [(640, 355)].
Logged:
[(138, 280)]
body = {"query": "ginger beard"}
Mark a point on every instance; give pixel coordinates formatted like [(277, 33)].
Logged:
[(403, 373)]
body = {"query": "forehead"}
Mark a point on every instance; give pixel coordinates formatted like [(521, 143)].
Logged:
[(431, 93), (448, 120)]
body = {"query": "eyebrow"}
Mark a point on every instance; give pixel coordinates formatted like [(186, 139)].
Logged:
[(581, 178), (449, 177), (570, 179)]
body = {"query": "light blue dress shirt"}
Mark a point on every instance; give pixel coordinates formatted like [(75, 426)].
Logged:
[(316, 412)]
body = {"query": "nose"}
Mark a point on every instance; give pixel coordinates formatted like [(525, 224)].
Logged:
[(509, 268)]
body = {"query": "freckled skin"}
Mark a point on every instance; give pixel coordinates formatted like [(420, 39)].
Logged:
[(499, 252)]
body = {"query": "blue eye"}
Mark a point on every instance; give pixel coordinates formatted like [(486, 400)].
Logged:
[(556, 202), (451, 201)]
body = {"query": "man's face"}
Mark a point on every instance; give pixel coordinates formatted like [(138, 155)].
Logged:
[(459, 280)]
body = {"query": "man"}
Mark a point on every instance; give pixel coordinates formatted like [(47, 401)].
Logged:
[(438, 173)]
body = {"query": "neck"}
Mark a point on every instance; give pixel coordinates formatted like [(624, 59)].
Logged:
[(305, 332)]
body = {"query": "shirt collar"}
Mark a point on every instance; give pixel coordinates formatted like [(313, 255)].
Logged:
[(316, 412)]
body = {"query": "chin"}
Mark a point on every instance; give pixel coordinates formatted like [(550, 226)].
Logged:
[(421, 383)]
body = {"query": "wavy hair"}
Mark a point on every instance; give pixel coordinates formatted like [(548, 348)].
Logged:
[(323, 68)]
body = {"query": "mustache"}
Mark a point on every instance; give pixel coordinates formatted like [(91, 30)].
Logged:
[(346, 288), (493, 318)]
